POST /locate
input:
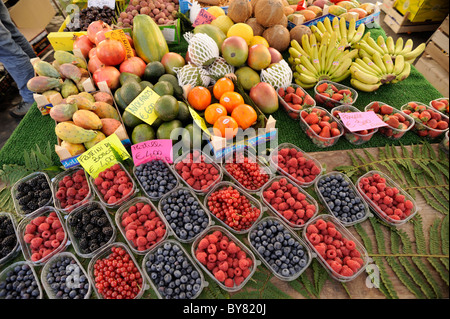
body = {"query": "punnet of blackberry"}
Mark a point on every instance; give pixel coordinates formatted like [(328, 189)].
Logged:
[(97, 212), (102, 221), (47, 193), (108, 231)]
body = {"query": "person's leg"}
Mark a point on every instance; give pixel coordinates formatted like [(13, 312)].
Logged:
[(18, 37), (18, 65)]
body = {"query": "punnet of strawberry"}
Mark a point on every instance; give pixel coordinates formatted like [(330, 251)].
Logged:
[(441, 105), (428, 122), (320, 126), (399, 122), (330, 94), (358, 137), (294, 99)]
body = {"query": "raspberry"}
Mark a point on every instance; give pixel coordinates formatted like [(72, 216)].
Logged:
[(221, 276), (346, 271)]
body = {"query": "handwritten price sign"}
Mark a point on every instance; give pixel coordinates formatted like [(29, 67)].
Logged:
[(103, 155), (119, 35), (359, 121), (150, 150), (203, 17), (143, 106)]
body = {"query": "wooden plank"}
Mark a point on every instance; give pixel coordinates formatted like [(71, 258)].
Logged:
[(441, 57), (434, 73), (400, 24), (445, 26), (441, 39)]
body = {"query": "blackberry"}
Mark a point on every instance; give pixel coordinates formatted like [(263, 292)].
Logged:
[(4, 251), (9, 230), (44, 186), (47, 193), (93, 247), (85, 219), (33, 182), (97, 213), (42, 202), (102, 221), (9, 241), (108, 231), (20, 187), (32, 205), (84, 244), (93, 233), (93, 221), (78, 232), (26, 188), (24, 200)]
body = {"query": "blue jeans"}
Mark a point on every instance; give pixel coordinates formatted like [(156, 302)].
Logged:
[(15, 54)]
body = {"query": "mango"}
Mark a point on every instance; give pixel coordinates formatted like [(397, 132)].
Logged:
[(40, 84), (63, 57), (44, 68), (99, 136), (63, 112), (265, 97), (69, 88), (74, 149), (72, 133), (336, 10), (82, 102), (70, 71), (258, 57), (105, 110), (103, 97), (347, 5), (87, 120)]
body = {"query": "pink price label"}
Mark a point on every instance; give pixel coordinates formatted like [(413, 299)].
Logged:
[(203, 17), (359, 121), (150, 150)]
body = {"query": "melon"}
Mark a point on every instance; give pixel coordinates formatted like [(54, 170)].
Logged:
[(257, 28), (239, 10), (269, 12), (278, 37)]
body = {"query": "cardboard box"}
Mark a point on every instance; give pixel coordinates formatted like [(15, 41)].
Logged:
[(423, 10), (32, 16)]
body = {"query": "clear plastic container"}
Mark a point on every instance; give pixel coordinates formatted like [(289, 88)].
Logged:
[(377, 210), (232, 238), (124, 208), (188, 257), (121, 200), (353, 137), (294, 235), (15, 251), (320, 141), (26, 250), (345, 234), (441, 99), (367, 213), (309, 199), (274, 164), (104, 253), (190, 240), (255, 203), (252, 159), (292, 112), (389, 131), (75, 241), (444, 145), (208, 160), (71, 280), (422, 129), (55, 187), (328, 101), (5, 271), (153, 198), (14, 191)]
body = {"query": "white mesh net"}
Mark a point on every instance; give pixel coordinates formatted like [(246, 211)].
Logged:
[(193, 75), (202, 49), (219, 68), (277, 75)]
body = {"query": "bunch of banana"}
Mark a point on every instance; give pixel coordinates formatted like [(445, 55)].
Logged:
[(368, 46), (368, 74), (352, 35), (314, 61)]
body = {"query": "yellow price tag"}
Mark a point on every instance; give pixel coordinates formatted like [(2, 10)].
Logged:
[(103, 155), (199, 121), (119, 35), (143, 106)]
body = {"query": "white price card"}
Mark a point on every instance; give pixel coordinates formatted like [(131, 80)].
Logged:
[(101, 3)]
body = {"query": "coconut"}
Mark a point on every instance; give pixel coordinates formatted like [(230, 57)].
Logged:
[(278, 37), (269, 12), (239, 10), (284, 22), (298, 31), (257, 28)]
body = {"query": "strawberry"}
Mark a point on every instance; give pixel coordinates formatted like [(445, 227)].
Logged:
[(281, 92), (442, 125), (316, 128), (345, 91), (335, 132), (438, 105), (432, 123), (312, 118), (347, 98), (299, 92), (425, 116), (296, 107), (308, 101), (325, 132), (375, 107), (296, 99), (386, 109), (322, 87), (334, 88), (393, 121), (337, 96), (290, 89), (436, 116), (288, 97), (322, 124)]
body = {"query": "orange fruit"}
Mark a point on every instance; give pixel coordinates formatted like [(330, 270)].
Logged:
[(214, 111), (199, 98), (222, 86), (230, 100), (226, 127), (245, 115)]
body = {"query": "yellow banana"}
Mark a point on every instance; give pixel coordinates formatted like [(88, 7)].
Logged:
[(307, 64), (382, 44), (365, 36), (407, 48), (351, 54), (345, 75), (327, 24), (398, 46), (329, 59), (405, 73), (399, 64), (297, 61), (390, 45), (343, 28), (351, 30), (389, 64), (336, 26), (369, 62), (307, 79), (322, 56), (296, 75), (362, 76), (363, 54), (364, 67), (304, 85), (416, 52), (374, 45), (379, 62), (345, 65), (364, 86), (366, 47), (317, 33), (359, 34), (294, 53), (296, 45), (300, 68), (306, 45), (321, 27), (336, 62)]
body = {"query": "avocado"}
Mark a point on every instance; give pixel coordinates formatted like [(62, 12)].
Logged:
[(165, 129)]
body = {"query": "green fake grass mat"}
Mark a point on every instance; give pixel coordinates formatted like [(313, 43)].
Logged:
[(37, 129)]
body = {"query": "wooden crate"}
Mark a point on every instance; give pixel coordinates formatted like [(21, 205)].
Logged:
[(400, 24)]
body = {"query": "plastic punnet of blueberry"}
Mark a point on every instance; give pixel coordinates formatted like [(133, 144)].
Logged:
[(184, 214), (156, 178), (20, 283), (8, 239), (283, 252), (173, 273), (340, 197), (33, 194), (67, 280)]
